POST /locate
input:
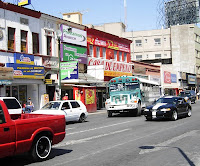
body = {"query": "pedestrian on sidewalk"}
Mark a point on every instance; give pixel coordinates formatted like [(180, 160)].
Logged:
[(29, 105), (65, 97)]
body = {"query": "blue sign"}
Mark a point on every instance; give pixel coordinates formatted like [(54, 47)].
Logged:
[(191, 79), (27, 71), (24, 59), (173, 78)]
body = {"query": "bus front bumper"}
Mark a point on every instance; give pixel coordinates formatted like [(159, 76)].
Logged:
[(122, 107)]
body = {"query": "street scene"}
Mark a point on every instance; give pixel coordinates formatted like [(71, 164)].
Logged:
[(125, 140), (107, 83)]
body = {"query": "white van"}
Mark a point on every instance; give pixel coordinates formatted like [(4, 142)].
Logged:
[(13, 105)]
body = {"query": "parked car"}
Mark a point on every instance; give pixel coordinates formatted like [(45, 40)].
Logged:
[(31, 133), (190, 94), (168, 107), (72, 109), (13, 105)]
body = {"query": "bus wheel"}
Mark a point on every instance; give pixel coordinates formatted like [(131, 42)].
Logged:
[(139, 110), (109, 113)]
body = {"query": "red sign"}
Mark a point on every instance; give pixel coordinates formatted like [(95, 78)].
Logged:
[(108, 43), (167, 77)]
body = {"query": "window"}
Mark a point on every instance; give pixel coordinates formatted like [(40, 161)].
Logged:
[(138, 43), (147, 56), (97, 52), (91, 50), (65, 105), (138, 57), (104, 53), (157, 41), (75, 104), (11, 39), (165, 39), (125, 57), (115, 55), (120, 56), (24, 41), (157, 56), (145, 40), (35, 43), (11, 103), (49, 50), (2, 117)]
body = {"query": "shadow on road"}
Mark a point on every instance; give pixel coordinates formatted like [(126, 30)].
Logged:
[(179, 149), (21, 160)]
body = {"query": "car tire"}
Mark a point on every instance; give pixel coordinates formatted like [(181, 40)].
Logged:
[(82, 118), (174, 116), (109, 114), (189, 112), (148, 118), (41, 148)]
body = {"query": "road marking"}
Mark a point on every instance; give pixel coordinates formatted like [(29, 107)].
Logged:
[(72, 142), (78, 132), (164, 145)]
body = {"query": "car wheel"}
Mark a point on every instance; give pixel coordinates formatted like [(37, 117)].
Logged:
[(189, 112), (41, 148), (174, 115), (109, 113), (82, 118), (148, 118)]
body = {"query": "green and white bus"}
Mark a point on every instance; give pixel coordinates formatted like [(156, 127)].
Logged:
[(130, 94)]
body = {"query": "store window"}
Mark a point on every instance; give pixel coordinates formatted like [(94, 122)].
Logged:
[(104, 53), (11, 39), (98, 52), (15, 91), (35, 43), (125, 57), (115, 55), (8, 92), (24, 41), (49, 45), (91, 50)]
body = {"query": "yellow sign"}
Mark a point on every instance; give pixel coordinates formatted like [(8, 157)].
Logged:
[(90, 96), (24, 2), (48, 81), (115, 73), (77, 95)]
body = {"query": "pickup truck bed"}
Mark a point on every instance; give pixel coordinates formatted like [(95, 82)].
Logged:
[(24, 132)]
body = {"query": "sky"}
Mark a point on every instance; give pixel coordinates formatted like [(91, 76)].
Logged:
[(141, 14)]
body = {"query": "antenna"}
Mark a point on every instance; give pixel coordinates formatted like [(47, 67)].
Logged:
[(125, 14)]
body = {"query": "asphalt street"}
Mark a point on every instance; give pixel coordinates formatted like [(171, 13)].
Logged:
[(123, 140)]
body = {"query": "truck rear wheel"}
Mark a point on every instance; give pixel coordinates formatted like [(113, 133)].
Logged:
[(41, 148)]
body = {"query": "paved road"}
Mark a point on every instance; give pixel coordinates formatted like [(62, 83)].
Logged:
[(125, 141)]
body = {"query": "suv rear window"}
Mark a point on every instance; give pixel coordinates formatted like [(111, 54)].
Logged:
[(75, 104), (11, 103)]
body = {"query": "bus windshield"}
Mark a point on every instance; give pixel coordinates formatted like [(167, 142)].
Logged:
[(124, 87)]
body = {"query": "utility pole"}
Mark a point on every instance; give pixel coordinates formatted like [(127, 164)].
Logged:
[(125, 13)]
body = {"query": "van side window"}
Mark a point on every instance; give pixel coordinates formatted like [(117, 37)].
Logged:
[(2, 117)]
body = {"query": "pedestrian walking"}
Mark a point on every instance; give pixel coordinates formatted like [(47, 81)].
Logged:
[(29, 105), (65, 97)]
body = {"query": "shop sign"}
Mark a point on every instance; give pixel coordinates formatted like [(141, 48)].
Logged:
[(50, 62), (73, 35), (69, 70), (191, 79), (27, 71), (112, 68), (71, 53), (173, 78), (108, 43), (24, 2), (48, 81), (23, 59), (167, 77), (5, 82), (90, 96)]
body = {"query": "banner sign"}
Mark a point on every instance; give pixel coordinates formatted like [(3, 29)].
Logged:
[(27, 71), (191, 79), (112, 68), (24, 2), (71, 53), (173, 78), (167, 77), (89, 96), (73, 35), (69, 70), (23, 59), (108, 43), (5, 82), (50, 62)]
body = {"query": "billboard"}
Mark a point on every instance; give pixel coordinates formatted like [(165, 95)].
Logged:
[(69, 70), (167, 77), (24, 2), (20, 58), (71, 53)]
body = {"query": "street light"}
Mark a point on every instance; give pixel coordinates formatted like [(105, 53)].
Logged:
[(59, 34)]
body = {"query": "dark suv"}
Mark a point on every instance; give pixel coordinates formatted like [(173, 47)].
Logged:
[(190, 94)]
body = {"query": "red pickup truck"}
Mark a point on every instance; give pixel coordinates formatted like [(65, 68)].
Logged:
[(33, 133)]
